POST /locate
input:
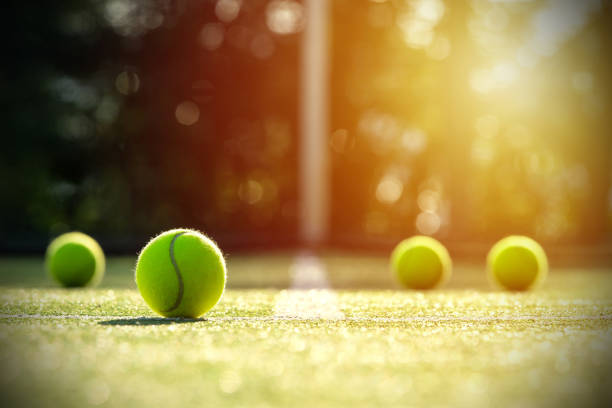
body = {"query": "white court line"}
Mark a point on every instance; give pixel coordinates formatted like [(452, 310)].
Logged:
[(297, 318), (318, 302)]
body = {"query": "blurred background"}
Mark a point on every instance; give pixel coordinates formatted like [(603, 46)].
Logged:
[(465, 120)]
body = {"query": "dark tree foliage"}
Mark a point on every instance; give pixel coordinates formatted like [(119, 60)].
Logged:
[(92, 139)]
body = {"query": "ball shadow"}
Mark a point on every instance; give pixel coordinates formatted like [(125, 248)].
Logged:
[(148, 321)]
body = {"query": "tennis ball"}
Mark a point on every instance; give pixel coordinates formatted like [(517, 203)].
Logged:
[(75, 259), (421, 262), (181, 273), (517, 263)]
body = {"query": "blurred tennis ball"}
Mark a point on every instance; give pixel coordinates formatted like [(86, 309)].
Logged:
[(75, 259), (421, 262), (181, 273), (517, 263)]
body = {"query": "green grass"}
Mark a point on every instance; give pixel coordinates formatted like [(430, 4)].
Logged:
[(466, 345)]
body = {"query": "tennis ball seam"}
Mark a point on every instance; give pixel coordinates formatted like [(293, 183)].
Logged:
[(181, 286)]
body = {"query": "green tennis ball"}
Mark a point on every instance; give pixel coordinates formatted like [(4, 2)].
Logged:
[(517, 263), (75, 259), (181, 273), (421, 262)]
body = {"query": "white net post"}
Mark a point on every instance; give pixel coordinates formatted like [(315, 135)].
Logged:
[(314, 166)]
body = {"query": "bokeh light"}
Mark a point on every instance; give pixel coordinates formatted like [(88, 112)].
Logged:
[(284, 16), (227, 10), (464, 120), (187, 113), (211, 36)]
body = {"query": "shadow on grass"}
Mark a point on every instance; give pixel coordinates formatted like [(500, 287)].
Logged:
[(148, 321)]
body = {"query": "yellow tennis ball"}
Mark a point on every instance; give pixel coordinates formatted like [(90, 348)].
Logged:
[(517, 263), (421, 262), (75, 259), (181, 273)]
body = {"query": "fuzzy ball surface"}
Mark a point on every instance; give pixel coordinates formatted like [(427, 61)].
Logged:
[(75, 259), (181, 273), (517, 263), (421, 262)]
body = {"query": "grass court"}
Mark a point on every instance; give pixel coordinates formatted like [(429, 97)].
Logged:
[(360, 342)]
